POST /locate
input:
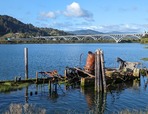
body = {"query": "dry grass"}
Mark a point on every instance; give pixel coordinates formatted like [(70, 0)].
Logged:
[(24, 109), (126, 111)]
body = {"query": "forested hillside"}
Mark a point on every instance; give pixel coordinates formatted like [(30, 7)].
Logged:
[(10, 26)]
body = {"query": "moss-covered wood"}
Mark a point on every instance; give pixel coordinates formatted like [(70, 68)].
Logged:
[(12, 86)]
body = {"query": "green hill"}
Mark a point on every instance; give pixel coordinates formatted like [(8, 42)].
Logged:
[(11, 27), (85, 32)]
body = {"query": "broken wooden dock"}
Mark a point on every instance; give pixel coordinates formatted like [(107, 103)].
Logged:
[(94, 73)]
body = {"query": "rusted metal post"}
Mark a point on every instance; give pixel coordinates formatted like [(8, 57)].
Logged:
[(26, 62)]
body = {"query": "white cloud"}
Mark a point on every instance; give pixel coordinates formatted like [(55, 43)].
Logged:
[(61, 25), (48, 14), (120, 28), (71, 26), (74, 10)]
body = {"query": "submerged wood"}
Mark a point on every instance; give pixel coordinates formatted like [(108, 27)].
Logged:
[(114, 79), (88, 81), (104, 76), (31, 80)]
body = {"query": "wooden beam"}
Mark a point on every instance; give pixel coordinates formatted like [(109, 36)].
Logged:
[(84, 72)]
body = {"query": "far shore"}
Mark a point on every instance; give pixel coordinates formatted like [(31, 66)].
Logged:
[(43, 41)]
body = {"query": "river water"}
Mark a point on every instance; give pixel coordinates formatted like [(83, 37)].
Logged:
[(47, 57)]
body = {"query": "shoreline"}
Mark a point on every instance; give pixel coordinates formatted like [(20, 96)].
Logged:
[(63, 42)]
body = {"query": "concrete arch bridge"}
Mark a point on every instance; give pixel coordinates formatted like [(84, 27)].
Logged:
[(117, 37)]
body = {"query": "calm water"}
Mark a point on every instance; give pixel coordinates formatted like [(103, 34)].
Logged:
[(46, 57)]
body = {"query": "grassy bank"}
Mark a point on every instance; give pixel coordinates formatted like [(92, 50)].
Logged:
[(12, 86), (144, 59), (144, 40)]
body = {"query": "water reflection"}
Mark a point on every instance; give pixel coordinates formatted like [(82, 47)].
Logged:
[(136, 84), (144, 80), (26, 95), (96, 102), (24, 109), (43, 91), (100, 104), (89, 94)]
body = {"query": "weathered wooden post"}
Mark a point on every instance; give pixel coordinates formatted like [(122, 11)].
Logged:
[(49, 85), (100, 81), (97, 71), (26, 62), (65, 73), (103, 71), (36, 77)]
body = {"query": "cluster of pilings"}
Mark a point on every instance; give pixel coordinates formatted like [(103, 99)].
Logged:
[(100, 81)]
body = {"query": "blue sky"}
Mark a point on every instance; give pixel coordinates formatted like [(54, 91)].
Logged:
[(68, 15)]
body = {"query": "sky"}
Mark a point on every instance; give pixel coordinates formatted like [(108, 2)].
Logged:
[(69, 15)]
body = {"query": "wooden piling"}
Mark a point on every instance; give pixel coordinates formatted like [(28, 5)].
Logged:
[(100, 81), (97, 71), (49, 87), (103, 71), (65, 73), (36, 77), (26, 62)]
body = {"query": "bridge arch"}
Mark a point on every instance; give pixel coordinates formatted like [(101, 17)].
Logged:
[(62, 38), (74, 38), (51, 38), (116, 39), (88, 37)]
